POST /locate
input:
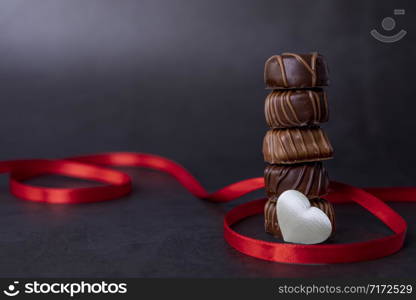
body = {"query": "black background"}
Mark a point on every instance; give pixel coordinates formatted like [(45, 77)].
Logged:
[(184, 79)]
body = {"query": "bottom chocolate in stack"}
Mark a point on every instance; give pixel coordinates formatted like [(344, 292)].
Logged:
[(311, 179)]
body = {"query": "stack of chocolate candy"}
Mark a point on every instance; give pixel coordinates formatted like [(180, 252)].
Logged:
[(295, 145)]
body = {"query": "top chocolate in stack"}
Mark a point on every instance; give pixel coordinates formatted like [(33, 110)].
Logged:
[(296, 71)]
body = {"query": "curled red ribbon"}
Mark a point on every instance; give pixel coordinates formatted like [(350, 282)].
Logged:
[(118, 184)]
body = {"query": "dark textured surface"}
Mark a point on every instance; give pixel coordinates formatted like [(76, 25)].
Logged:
[(184, 79), (161, 231)]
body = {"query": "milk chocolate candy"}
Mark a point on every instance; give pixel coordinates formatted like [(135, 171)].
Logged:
[(296, 145), (290, 70), (271, 224), (294, 108), (311, 179)]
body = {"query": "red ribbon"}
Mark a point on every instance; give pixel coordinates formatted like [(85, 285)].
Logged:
[(118, 184)]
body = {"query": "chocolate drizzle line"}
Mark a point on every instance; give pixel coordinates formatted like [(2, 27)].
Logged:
[(326, 107), (299, 180), (270, 222), (282, 69), (292, 109), (303, 144), (310, 181), (315, 144), (315, 104)]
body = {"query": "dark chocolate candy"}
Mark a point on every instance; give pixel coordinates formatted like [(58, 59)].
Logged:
[(296, 145), (311, 179), (293, 108), (271, 224), (290, 70)]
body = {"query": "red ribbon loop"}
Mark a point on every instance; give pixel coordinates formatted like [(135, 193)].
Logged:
[(118, 184)]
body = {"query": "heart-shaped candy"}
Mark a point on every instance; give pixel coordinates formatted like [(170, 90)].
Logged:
[(300, 222)]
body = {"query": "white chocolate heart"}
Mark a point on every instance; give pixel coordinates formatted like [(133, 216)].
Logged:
[(299, 221)]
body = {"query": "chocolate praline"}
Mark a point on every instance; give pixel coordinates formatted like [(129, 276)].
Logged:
[(296, 145), (291, 70), (295, 108), (311, 179)]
